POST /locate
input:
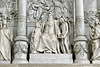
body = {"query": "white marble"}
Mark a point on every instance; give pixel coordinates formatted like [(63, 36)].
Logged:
[(21, 46), (48, 40), (95, 41), (35, 38), (51, 59), (5, 62), (80, 45), (64, 36), (5, 42)]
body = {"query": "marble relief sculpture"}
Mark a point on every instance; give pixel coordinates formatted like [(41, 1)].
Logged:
[(48, 40), (38, 7), (51, 36), (35, 38), (5, 42), (95, 40), (61, 9), (64, 28)]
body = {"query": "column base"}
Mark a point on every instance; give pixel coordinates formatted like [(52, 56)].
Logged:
[(81, 50), (20, 50), (5, 62), (20, 61), (82, 61)]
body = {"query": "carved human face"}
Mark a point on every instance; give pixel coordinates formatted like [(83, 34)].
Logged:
[(97, 21), (50, 16), (4, 22), (37, 25)]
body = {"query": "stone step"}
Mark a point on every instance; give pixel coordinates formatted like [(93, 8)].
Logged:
[(51, 59), (49, 65)]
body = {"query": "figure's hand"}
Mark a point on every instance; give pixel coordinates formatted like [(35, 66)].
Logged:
[(62, 35)]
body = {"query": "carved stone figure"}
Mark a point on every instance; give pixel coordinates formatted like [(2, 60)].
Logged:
[(39, 7), (48, 40), (95, 37), (36, 9), (64, 27), (58, 9), (35, 38), (61, 9), (5, 39)]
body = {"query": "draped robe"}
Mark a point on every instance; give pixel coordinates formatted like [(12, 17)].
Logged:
[(5, 48)]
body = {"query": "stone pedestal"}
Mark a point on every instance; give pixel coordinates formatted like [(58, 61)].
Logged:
[(50, 59), (49, 65), (5, 62)]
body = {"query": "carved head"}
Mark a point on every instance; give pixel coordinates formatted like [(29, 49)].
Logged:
[(96, 21), (61, 20), (50, 16), (4, 22), (37, 25)]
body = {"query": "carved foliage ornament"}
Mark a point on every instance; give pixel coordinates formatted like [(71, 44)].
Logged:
[(81, 48), (20, 48)]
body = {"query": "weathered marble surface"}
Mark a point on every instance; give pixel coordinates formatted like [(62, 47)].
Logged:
[(50, 65), (50, 59)]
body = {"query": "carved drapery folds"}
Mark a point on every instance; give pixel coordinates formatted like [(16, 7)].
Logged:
[(54, 39), (5, 42), (38, 8), (95, 41), (51, 34)]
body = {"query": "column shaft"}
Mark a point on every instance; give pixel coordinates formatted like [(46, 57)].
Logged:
[(80, 27), (22, 18), (21, 46), (80, 45)]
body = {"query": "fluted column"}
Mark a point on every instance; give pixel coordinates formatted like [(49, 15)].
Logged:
[(80, 45), (21, 46)]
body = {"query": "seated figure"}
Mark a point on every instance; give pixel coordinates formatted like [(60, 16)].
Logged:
[(48, 40)]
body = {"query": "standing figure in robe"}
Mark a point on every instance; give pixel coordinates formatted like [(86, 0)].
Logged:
[(5, 42), (35, 38), (64, 27)]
